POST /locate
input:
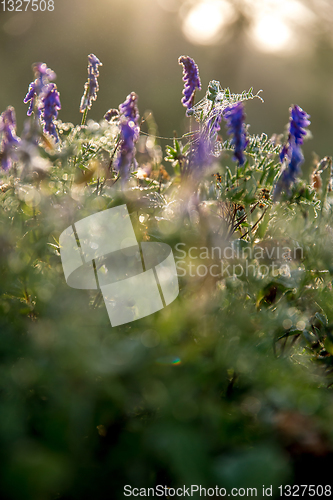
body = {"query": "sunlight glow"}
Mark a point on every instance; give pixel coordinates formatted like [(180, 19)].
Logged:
[(271, 34), (275, 23), (203, 22)]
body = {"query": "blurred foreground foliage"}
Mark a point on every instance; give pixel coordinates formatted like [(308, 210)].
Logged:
[(230, 385)]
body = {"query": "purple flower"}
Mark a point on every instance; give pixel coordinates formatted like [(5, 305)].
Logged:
[(9, 138), (29, 98), (91, 86), (235, 118), (128, 136), (129, 108), (291, 151), (43, 75), (49, 107), (191, 80), (299, 119), (111, 114)]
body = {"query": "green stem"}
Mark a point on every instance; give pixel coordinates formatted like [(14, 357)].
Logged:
[(84, 116)]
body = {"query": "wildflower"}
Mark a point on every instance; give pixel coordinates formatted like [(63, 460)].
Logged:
[(49, 106), (291, 151), (130, 111), (91, 86), (9, 138), (111, 114), (43, 76), (129, 108), (299, 119), (128, 135), (191, 79), (235, 117)]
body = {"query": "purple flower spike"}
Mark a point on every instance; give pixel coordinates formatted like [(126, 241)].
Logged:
[(291, 151), (124, 160), (43, 75), (49, 106), (235, 118), (91, 86), (129, 134), (129, 108), (299, 119), (191, 80), (9, 138)]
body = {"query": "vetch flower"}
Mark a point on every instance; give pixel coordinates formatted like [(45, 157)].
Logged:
[(291, 152), (111, 113), (130, 111), (191, 80), (43, 76), (49, 107), (125, 158), (91, 86), (129, 134), (129, 108), (299, 119), (9, 139), (235, 118)]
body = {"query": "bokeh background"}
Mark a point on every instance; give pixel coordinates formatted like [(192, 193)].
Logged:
[(284, 47)]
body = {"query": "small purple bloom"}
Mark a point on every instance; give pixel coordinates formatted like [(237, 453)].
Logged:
[(49, 107), (191, 80), (129, 108), (111, 114), (235, 118), (29, 98), (291, 151), (299, 119), (43, 75), (128, 136), (9, 138), (91, 86)]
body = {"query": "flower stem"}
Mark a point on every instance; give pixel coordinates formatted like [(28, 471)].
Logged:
[(84, 116)]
